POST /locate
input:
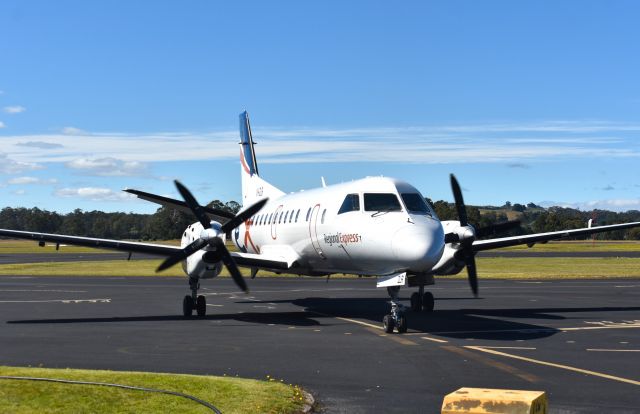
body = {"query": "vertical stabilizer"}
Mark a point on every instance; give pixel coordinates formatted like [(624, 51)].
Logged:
[(253, 187)]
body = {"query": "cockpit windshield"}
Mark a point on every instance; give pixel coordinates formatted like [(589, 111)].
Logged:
[(381, 202), (416, 204)]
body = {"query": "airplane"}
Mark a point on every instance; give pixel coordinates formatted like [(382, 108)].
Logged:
[(375, 226)]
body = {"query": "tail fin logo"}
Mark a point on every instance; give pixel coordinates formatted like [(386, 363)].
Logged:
[(247, 153)]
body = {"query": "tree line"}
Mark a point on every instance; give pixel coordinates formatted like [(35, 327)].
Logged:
[(167, 223)]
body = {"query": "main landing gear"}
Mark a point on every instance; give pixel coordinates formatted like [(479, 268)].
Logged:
[(193, 301), (420, 301)]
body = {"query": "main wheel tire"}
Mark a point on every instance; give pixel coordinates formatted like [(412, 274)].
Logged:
[(388, 324), (416, 306), (402, 324), (187, 306), (428, 302), (201, 306)]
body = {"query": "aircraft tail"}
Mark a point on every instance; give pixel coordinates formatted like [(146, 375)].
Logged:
[(253, 187)]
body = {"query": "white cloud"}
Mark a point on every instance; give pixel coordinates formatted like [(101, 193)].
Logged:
[(31, 180), (618, 204), (10, 166), (108, 166), (39, 144), (94, 194), (507, 143), (14, 109), (73, 131)]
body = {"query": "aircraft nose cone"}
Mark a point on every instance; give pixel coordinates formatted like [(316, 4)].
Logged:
[(419, 247)]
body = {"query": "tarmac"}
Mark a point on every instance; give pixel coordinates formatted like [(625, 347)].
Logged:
[(578, 340)]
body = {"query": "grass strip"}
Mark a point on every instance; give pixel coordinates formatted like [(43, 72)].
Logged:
[(491, 267), (230, 395)]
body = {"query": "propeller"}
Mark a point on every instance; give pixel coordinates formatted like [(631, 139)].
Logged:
[(465, 235), (211, 236)]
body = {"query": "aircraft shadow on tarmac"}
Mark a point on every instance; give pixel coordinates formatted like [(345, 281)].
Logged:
[(473, 323), (299, 318)]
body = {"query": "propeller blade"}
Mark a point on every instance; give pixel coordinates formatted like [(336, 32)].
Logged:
[(497, 228), (457, 196), (243, 216), (181, 255), (196, 208), (472, 273), (228, 261)]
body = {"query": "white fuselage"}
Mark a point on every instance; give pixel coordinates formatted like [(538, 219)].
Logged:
[(310, 229)]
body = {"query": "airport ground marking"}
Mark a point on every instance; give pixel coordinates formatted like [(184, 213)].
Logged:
[(612, 350), (491, 363), (43, 290), (59, 301), (428, 338), (553, 364)]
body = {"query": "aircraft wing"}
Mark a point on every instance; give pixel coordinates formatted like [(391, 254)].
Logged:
[(213, 213), (260, 261), (241, 259), (531, 239), (127, 246)]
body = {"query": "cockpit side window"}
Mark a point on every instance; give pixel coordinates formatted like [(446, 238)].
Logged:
[(351, 203), (381, 202), (416, 204)]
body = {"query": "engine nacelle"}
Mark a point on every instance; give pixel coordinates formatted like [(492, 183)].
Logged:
[(448, 264), (201, 264)]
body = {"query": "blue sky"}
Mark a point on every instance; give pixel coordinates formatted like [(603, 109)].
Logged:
[(523, 101)]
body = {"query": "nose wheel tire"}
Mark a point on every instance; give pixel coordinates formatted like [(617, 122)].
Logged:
[(388, 323), (401, 324), (187, 306), (201, 305)]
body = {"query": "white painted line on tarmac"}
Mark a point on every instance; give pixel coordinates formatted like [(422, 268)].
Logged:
[(43, 290), (434, 339), (551, 364), (612, 350), (59, 301), (510, 347), (370, 325)]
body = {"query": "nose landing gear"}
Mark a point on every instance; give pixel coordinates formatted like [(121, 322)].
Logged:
[(397, 318)]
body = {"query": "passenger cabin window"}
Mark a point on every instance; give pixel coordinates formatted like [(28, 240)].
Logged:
[(297, 214), (308, 212), (323, 213), (351, 203), (270, 217), (381, 202), (416, 204), (285, 216)]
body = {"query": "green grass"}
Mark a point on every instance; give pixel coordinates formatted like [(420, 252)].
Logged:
[(498, 267), (557, 267), (580, 246), (30, 246), (229, 395)]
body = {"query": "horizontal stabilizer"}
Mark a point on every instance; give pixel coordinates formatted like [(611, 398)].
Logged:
[(214, 213)]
